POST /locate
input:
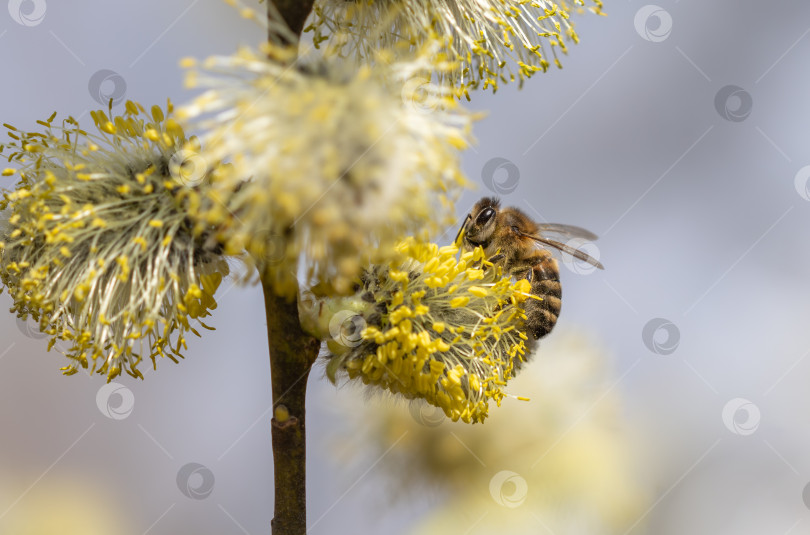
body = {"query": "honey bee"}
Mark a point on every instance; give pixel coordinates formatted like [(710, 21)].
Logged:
[(513, 240)]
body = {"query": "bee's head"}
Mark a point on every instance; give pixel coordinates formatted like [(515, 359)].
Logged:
[(480, 223)]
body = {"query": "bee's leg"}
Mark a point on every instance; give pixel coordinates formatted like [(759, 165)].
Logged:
[(496, 258), (463, 226)]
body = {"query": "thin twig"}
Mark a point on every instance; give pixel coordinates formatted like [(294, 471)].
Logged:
[(292, 353), (294, 13)]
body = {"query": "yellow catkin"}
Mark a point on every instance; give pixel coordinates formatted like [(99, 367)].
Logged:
[(93, 251), (421, 349)]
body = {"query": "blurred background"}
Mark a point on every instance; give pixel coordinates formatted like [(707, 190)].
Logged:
[(676, 377)]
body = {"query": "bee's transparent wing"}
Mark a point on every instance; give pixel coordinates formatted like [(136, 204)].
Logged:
[(568, 231), (576, 253)]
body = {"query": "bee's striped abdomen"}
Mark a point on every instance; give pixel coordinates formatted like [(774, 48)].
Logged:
[(545, 280)]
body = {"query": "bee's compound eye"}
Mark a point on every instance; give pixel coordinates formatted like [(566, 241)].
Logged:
[(485, 216)]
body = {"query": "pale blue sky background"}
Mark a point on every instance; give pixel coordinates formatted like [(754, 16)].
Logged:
[(701, 222)]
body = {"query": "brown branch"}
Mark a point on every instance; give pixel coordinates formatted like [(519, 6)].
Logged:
[(292, 353), (294, 12)]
